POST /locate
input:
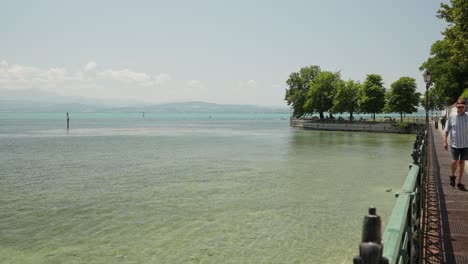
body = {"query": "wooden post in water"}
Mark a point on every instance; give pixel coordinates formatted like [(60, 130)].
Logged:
[(68, 122)]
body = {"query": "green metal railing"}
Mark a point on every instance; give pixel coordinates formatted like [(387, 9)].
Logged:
[(402, 236)]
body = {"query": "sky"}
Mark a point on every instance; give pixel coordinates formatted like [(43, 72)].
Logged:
[(226, 52)]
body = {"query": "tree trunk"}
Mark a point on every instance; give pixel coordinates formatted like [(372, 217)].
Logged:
[(401, 117), (321, 116), (350, 117)]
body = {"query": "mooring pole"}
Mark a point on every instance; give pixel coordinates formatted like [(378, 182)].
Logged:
[(68, 122)]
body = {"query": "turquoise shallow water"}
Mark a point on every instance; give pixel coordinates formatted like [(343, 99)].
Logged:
[(189, 189)]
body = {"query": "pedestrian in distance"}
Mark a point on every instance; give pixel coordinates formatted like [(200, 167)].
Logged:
[(457, 128), (436, 121), (443, 120)]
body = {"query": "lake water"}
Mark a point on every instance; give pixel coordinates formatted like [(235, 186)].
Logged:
[(189, 188)]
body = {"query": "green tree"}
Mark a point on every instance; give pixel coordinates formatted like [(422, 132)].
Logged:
[(402, 97), (346, 98), (464, 95), (448, 61), (321, 92), (372, 95), (436, 99), (298, 83)]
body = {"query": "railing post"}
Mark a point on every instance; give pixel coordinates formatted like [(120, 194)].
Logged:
[(371, 248)]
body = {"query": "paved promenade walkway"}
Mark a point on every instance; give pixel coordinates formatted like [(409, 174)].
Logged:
[(445, 233)]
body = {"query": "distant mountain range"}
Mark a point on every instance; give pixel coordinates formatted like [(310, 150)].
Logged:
[(201, 107), (36, 101)]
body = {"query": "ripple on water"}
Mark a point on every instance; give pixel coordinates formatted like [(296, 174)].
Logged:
[(260, 193)]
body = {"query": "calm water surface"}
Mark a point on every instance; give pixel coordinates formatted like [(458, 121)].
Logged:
[(189, 189)]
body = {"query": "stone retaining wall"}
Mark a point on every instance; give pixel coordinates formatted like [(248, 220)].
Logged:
[(356, 127)]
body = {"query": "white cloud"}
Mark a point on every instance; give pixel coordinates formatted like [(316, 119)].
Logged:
[(90, 81), (58, 74), (162, 78), (125, 75), (22, 72), (90, 67), (250, 84), (195, 84), (93, 81)]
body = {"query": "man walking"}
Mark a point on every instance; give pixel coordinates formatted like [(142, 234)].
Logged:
[(436, 121), (443, 120), (457, 127)]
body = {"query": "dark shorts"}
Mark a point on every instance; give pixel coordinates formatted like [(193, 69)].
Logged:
[(459, 153)]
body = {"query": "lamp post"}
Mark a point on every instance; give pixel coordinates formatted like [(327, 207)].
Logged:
[(427, 79)]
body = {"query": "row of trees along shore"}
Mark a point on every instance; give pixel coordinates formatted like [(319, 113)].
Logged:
[(312, 90)]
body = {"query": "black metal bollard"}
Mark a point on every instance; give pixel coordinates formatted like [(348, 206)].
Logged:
[(416, 153), (417, 144), (371, 248)]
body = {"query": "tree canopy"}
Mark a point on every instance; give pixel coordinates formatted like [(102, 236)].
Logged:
[(346, 98), (298, 83), (402, 97), (321, 92), (436, 99), (372, 98), (312, 90), (448, 61)]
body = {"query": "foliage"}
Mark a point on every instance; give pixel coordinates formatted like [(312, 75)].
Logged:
[(404, 125), (464, 95), (298, 84), (314, 91), (346, 98), (402, 97), (436, 99), (321, 92), (372, 95), (448, 62)]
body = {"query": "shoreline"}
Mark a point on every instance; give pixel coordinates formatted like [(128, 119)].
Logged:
[(377, 127)]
